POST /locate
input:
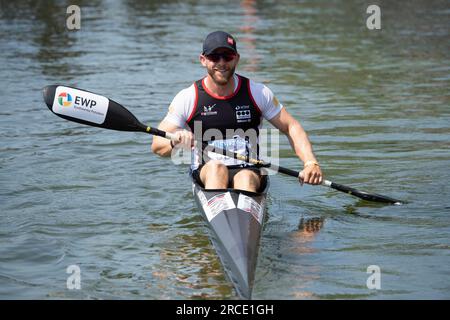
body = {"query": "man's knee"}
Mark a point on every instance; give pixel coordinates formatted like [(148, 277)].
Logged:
[(215, 166), (247, 178), (246, 174), (213, 170)]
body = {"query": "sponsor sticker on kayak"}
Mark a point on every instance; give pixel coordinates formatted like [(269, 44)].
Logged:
[(80, 104), (216, 204), (251, 206)]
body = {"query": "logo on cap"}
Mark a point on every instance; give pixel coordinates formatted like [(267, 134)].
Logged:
[(230, 40)]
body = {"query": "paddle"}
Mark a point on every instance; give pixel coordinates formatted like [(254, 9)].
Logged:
[(91, 109), (94, 110)]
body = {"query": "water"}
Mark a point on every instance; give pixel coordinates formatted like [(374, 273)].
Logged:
[(375, 104)]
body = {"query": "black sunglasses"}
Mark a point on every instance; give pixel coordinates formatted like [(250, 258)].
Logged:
[(215, 57)]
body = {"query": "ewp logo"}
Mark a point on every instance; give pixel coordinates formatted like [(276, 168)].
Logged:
[(65, 99)]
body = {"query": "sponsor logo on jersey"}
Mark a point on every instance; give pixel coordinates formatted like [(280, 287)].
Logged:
[(275, 101), (208, 110), (243, 115)]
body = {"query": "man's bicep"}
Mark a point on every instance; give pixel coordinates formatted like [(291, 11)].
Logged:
[(168, 126), (282, 120)]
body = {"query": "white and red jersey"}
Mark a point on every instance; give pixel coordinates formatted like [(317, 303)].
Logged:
[(231, 122)]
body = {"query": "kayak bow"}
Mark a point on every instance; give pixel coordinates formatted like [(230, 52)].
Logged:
[(235, 221)]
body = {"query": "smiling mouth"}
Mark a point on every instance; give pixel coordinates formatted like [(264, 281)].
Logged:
[(221, 70)]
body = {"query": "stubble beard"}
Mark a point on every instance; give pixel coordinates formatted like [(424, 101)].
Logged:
[(221, 79)]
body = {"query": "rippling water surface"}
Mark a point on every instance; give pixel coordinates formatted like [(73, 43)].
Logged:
[(375, 104)]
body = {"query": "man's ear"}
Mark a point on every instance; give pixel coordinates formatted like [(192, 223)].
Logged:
[(202, 59)]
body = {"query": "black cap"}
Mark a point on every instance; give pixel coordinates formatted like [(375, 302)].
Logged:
[(218, 39)]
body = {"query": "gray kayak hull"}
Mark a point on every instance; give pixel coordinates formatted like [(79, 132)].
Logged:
[(235, 220)]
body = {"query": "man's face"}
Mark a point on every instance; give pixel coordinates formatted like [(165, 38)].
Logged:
[(220, 64)]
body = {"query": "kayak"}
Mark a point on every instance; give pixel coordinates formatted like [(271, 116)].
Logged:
[(235, 220)]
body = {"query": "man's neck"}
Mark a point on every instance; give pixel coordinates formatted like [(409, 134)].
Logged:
[(220, 90)]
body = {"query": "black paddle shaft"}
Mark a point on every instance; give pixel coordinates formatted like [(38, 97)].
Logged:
[(364, 195), (357, 193)]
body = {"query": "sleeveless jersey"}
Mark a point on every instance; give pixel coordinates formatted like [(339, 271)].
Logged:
[(230, 122)]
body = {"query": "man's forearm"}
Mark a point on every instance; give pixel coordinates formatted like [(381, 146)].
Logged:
[(300, 143), (161, 147)]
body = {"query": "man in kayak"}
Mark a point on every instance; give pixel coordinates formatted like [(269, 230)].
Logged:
[(226, 110)]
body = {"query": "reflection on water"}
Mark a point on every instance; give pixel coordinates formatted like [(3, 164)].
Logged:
[(189, 266), (375, 104), (248, 38), (309, 227)]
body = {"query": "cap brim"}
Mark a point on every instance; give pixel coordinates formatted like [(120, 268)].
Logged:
[(213, 49)]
